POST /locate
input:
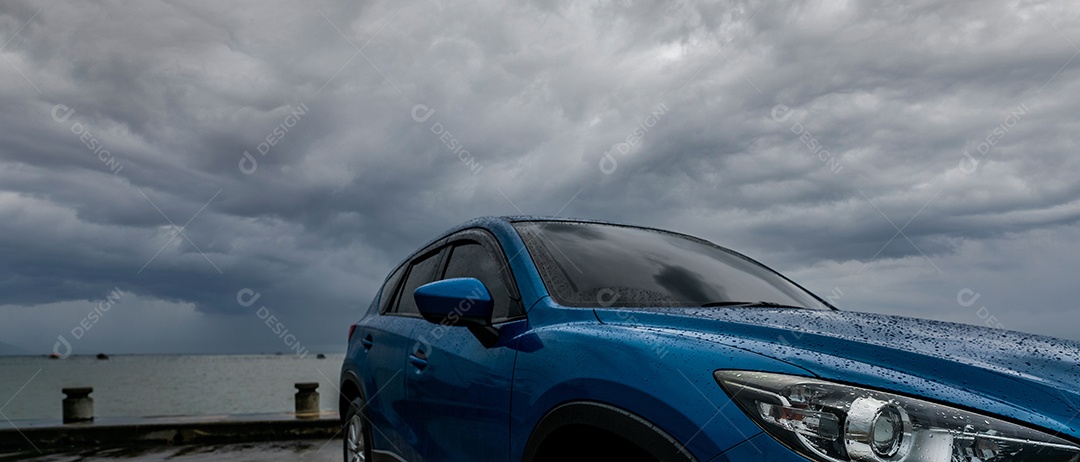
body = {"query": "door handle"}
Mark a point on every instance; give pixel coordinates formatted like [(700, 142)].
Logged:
[(418, 359), (367, 342)]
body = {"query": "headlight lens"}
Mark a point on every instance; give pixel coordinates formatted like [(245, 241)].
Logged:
[(830, 422)]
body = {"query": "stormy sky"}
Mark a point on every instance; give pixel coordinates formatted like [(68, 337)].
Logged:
[(159, 158)]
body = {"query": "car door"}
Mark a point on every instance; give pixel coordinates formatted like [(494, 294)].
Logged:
[(464, 388), (388, 341)]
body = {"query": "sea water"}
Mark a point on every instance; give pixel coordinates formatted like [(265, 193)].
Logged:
[(140, 386)]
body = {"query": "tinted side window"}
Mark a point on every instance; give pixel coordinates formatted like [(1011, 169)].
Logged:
[(472, 260), (421, 272), (389, 289)]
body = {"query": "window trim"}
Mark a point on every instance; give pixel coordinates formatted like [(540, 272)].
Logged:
[(387, 294), (485, 239), (491, 244), (437, 251)]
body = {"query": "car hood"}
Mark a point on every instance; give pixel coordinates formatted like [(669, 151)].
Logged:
[(1023, 376)]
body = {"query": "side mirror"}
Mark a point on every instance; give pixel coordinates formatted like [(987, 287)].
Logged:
[(455, 302), (459, 302)]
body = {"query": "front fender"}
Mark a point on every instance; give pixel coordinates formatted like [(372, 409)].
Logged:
[(661, 376)]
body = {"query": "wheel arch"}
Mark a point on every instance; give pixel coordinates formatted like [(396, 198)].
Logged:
[(608, 418), (349, 389)]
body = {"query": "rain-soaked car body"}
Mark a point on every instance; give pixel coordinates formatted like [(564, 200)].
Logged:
[(538, 339)]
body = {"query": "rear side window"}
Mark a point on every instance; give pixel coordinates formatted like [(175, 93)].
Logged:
[(472, 260), (421, 272), (386, 295)]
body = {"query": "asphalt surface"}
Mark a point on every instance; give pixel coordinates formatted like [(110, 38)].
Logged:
[(306, 450)]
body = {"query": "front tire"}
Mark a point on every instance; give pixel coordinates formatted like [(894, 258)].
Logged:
[(357, 441)]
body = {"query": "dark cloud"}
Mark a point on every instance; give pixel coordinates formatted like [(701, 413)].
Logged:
[(902, 148)]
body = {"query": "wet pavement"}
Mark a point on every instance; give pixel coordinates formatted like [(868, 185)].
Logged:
[(305, 450), (173, 436)]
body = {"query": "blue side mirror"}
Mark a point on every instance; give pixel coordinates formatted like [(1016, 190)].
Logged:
[(455, 302)]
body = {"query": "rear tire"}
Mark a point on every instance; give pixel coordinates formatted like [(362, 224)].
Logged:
[(357, 441)]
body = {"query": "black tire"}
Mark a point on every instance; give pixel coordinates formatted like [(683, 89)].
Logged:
[(357, 434)]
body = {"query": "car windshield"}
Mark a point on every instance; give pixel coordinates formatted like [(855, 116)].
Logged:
[(600, 265)]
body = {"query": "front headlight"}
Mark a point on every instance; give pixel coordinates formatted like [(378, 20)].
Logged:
[(830, 422)]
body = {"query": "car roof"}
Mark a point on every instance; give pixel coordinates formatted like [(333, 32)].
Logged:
[(505, 223), (494, 222)]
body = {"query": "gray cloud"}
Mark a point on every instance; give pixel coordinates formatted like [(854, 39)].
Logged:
[(805, 134)]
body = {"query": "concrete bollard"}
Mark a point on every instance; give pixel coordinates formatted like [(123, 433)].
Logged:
[(307, 399), (78, 405)]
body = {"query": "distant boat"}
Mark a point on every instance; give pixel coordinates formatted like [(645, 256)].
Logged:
[(54, 356), (102, 356), (320, 356)]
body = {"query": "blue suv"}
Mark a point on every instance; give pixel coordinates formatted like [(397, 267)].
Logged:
[(542, 339)]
